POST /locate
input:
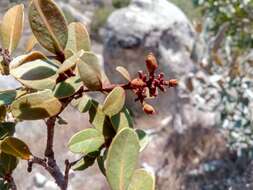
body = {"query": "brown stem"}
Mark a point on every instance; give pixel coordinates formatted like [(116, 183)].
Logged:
[(12, 183), (49, 153)]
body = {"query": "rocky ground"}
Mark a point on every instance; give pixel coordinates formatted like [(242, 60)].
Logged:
[(186, 152)]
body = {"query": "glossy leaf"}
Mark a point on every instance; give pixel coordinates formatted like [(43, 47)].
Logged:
[(68, 87), (15, 147), (6, 129), (86, 141), (12, 27), (78, 37), (142, 180), (124, 73), (48, 25), (7, 163), (71, 62), (114, 102), (122, 159), (90, 71), (143, 138), (35, 106)]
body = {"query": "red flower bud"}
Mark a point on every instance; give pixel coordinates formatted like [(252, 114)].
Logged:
[(151, 63), (148, 109), (172, 83), (137, 83)]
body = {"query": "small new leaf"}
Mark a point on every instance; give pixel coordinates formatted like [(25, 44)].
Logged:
[(12, 27), (124, 73)]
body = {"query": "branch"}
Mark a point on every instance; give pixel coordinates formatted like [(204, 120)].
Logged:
[(11, 182)]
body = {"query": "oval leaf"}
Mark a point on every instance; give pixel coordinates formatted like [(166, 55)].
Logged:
[(39, 105), (71, 62), (32, 56), (85, 162), (38, 74), (124, 73), (12, 27), (31, 42), (15, 147), (90, 71), (121, 120), (7, 164), (78, 37), (144, 139), (122, 158), (142, 180), (7, 97), (115, 101), (68, 87), (86, 141), (84, 104), (6, 129), (48, 25)]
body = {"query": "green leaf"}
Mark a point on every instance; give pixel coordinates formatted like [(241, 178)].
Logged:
[(38, 74), (15, 147), (86, 141), (7, 164), (4, 185), (35, 70), (90, 71), (85, 162), (67, 88), (101, 121), (142, 180), (31, 43), (7, 97), (101, 161), (3, 112), (122, 120), (7, 129), (122, 159), (84, 103), (143, 138), (32, 56), (78, 37), (12, 27), (115, 101), (39, 105), (71, 62), (48, 25)]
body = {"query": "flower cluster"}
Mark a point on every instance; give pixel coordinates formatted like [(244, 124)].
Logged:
[(147, 85)]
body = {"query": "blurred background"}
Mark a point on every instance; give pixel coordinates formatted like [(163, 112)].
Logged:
[(202, 136)]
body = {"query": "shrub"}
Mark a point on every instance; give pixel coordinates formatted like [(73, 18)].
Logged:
[(51, 83), (120, 3)]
